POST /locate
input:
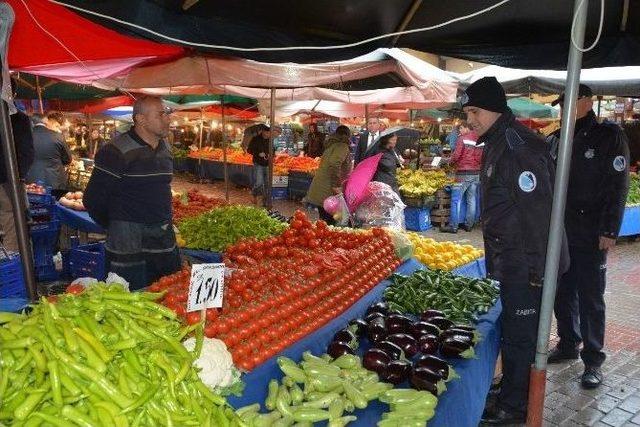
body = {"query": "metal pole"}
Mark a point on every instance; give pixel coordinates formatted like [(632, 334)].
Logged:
[(366, 116), (200, 171), (18, 200), (39, 90), (224, 154), (599, 102), (268, 197), (556, 227)]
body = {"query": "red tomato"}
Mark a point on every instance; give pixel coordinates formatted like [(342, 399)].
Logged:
[(75, 289), (212, 314), (193, 317), (211, 330)]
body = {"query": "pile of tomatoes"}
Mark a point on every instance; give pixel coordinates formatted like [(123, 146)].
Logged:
[(195, 204), (286, 287)]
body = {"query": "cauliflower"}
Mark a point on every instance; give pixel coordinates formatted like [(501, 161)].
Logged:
[(215, 366)]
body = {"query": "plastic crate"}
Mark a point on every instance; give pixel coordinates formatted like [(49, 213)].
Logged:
[(42, 199), (46, 273), (417, 219), (44, 237), (88, 261), (279, 193), (299, 181), (42, 213), (11, 277)]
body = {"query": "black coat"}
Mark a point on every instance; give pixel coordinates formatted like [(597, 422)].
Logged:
[(361, 149), (598, 182), (23, 142), (387, 167), (51, 157), (516, 180)]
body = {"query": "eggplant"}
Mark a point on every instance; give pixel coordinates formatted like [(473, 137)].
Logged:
[(396, 372), (337, 349), (458, 334), (376, 360), (420, 328), (464, 328), (376, 329), (428, 344), (380, 307), (434, 363), (393, 350), (358, 327), (441, 322), (345, 336), (406, 342), (426, 315), (397, 323), (454, 348), (373, 315), (426, 379)]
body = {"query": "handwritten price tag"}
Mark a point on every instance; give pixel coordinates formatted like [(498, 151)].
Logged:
[(206, 287)]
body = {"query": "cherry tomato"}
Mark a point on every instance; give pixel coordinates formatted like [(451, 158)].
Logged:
[(193, 317), (75, 289)]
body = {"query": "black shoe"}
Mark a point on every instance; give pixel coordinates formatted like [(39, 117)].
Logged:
[(448, 229), (499, 417), (466, 227), (559, 355), (592, 377)]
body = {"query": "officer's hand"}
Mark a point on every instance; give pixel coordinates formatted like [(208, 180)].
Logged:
[(606, 243)]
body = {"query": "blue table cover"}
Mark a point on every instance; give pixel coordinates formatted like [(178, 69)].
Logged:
[(77, 220), (630, 221), (13, 305), (202, 256), (461, 405)]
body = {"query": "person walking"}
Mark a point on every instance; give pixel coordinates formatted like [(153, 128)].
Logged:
[(315, 145), (596, 196), (516, 179), (51, 154), (367, 140), (467, 158), (129, 195), (389, 162), (259, 149), (335, 166)]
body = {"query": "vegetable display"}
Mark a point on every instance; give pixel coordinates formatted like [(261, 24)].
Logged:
[(420, 183), (320, 389), (217, 229), (633, 197), (103, 357), (73, 200), (283, 163), (459, 298), (192, 204), (287, 286), (442, 255)]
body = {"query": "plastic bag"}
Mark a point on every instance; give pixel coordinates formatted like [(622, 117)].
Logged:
[(402, 246), (337, 207), (381, 207)]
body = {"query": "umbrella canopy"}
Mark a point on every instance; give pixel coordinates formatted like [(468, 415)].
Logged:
[(356, 185), (407, 137), (528, 109)]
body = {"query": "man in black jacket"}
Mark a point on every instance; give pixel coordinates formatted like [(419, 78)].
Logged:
[(23, 141), (516, 180), (367, 140), (596, 196)]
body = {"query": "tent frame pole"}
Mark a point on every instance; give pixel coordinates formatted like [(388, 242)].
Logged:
[(599, 104), (39, 90), (200, 171), (366, 116), (556, 227), (268, 197), (224, 153), (18, 200)]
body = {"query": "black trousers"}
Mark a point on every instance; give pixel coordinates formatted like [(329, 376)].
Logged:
[(580, 307), (519, 321)]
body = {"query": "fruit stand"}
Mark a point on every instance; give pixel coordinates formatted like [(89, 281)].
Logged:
[(631, 220)]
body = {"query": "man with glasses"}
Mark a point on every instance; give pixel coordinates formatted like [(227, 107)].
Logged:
[(129, 194), (596, 196)]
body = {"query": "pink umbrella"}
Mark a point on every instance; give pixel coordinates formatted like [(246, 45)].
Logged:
[(355, 188)]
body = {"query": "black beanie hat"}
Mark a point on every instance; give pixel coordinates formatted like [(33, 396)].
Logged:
[(487, 94)]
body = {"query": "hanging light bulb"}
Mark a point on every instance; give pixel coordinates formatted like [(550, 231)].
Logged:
[(229, 127), (174, 123), (421, 121), (439, 119)]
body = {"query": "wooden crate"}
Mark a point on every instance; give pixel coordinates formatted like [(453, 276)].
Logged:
[(440, 220)]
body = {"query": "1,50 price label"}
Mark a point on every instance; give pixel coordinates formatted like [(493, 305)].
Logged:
[(206, 287)]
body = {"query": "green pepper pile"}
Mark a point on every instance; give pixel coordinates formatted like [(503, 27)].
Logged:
[(460, 298), (222, 227), (105, 357), (318, 389), (633, 197)]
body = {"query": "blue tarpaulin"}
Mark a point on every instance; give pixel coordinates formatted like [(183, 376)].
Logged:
[(630, 221), (77, 220), (461, 405)]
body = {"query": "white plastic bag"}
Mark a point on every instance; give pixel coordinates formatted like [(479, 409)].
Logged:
[(381, 207)]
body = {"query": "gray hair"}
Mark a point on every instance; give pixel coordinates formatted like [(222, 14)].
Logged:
[(141, 105)]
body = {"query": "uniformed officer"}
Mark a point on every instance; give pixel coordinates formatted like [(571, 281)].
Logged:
[(516, 181), (598, 186)]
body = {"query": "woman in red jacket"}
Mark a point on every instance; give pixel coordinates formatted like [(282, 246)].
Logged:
[(467, 157)]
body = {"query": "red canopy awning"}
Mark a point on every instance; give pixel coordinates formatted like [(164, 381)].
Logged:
[(45, 34)]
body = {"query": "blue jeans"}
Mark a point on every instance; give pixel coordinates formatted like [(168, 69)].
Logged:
[(260, 177), (469, 190)]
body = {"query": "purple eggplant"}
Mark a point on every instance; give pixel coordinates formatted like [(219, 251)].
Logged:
[(376, 360), (420, 328), (434, 363), (345, 336), (426, 379), (380, 307), (396, 372), (458, 334), (337, 349), (406, 342), (454, 348), (441, 322), (393, 350), (358, 327), (376, 329), (373, 315), (397, 324), (428, 344), (464, 328), (426, 315)]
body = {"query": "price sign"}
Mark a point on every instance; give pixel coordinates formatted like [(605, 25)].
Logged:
[(206, 286), (436, 161)]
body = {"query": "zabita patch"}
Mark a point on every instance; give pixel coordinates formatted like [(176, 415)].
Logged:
[(527, 181), (619, 163)]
